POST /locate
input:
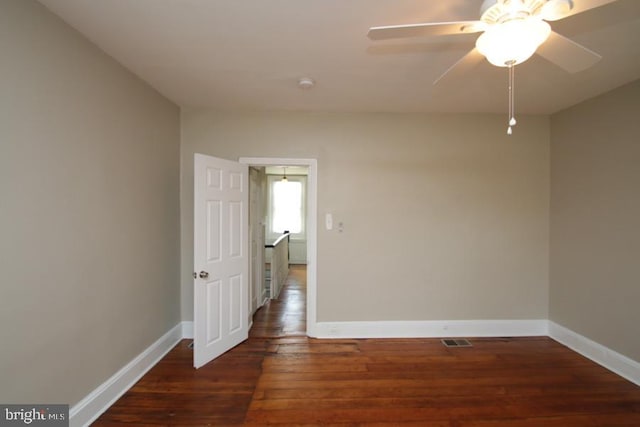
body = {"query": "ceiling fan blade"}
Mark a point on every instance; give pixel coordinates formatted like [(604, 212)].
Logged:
[(567, 54), (560, 9), (430, 29), (463, 66)]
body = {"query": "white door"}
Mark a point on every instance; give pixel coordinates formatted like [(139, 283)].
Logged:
[(221, 259)]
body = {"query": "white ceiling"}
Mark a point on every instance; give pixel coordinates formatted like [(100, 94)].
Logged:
[(249, 54)]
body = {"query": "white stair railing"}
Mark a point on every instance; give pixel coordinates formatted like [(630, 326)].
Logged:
[(279, 264)]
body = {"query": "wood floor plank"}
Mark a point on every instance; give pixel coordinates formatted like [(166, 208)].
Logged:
[(591, 420), (281, 377)]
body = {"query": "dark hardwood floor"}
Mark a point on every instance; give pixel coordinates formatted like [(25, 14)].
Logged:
[(287, 315), (280, 377)]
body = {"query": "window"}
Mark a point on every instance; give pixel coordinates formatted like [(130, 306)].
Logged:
[(287, 205)]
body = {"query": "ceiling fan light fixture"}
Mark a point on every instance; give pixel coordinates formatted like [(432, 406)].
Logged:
[(512, 42), (512, 31)]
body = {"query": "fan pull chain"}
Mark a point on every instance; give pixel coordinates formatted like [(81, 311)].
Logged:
[(512, 118)]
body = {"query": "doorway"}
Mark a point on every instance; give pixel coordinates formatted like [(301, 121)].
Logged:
[(311, 226)]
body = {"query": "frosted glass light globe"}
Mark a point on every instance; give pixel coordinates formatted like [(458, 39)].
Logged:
[(512, 42)]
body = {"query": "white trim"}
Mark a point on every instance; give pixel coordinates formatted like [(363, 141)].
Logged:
[(432, 329), (312, 232), (610, 359), (99, 400)]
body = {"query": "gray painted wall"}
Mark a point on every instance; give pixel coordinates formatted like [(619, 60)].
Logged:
[(445, 216), (595, 217), (89, 214)]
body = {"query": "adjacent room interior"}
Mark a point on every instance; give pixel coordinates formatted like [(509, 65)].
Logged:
[(427, 220)]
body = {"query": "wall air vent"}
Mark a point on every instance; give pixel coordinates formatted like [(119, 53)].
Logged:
[(449, 342)]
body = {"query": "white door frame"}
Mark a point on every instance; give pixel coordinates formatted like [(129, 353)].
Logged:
[(312, 229)]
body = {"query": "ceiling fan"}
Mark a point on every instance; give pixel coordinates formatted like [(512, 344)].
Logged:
[(512, 31)]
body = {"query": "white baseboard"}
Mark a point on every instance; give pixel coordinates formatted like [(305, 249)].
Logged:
[(431, 329), (610, 359), (99, 400)]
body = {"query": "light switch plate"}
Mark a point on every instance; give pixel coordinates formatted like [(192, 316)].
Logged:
[(328, 221)]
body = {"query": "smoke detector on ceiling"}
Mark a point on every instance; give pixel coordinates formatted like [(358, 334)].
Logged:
[(306, 83)]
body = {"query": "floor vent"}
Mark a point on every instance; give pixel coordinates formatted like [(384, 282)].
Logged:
[(456, 343)]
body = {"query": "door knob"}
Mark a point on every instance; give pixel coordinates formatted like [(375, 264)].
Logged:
[(204, 275)]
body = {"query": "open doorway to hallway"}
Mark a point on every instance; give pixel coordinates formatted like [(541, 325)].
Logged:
[(309, 272), (286, 315)]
